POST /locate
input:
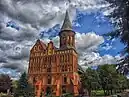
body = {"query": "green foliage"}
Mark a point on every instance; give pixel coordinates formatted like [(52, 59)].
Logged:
[(98, 93), (14, 85), (108, 77), (67, 95), (105, 78), (90, 80), (111, 80), (24, 88), (120, 17), (5, 82)]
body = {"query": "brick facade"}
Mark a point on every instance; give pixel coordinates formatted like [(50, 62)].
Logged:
[(54, 70)]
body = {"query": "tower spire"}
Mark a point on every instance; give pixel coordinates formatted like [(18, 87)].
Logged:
[(67, 25)]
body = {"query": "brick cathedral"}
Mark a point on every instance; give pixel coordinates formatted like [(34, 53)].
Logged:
[(54, 70)]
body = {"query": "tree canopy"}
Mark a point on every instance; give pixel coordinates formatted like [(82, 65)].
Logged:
[(5, 83), (105, 78), (120, 17), (24, 88)]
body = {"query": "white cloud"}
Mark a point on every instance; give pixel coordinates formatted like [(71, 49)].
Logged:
[(94, 59), (88, 41), (32, 16), (107, 46), (44, 13), (108, 11), (87, 45)]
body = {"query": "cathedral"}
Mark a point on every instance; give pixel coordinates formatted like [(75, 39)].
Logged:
[(55, 70)]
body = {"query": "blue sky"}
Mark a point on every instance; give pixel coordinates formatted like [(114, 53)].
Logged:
[(22, 23), (92, 22), (99, 24)]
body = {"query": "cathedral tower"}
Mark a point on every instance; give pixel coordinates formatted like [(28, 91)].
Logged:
[(54, 70), (67, 35)]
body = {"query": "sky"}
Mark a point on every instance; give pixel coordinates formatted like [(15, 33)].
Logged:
[(22, 22)]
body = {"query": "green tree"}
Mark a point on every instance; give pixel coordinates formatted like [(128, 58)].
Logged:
[(90, 80), (122, 82), (120, 17), (5, 83), (14, 85), (110, 79), (108, 75), (24, 89), (105, 77), (127, 83)]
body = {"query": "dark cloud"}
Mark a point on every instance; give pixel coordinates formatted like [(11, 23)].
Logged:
[(5, 36), (4, 46), (23, 55), (11, 34), (15, 66), (32, 17), (18, 10), (3, 60), (38, 13), (27, 34)]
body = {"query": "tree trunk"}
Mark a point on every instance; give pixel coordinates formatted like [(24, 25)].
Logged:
[(89, 92), (108, 92), (105, 92), (111, 92)]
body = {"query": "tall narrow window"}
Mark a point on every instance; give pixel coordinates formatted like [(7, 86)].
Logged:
[(62, 68), (65, 68), (65, 79), (71, 40), (60, 58), (49, 79), (63, 58)]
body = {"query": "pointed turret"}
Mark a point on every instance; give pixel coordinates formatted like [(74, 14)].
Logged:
[(67, 35), (67, 25)]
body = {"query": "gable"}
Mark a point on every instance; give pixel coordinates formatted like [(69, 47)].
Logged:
[(51, 48), (39, 46)]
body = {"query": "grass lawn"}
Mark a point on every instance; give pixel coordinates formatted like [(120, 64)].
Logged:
[(97, 93), (4, 95)]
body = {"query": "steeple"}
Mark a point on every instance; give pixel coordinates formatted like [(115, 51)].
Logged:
[(67, 35), (67, 23)]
